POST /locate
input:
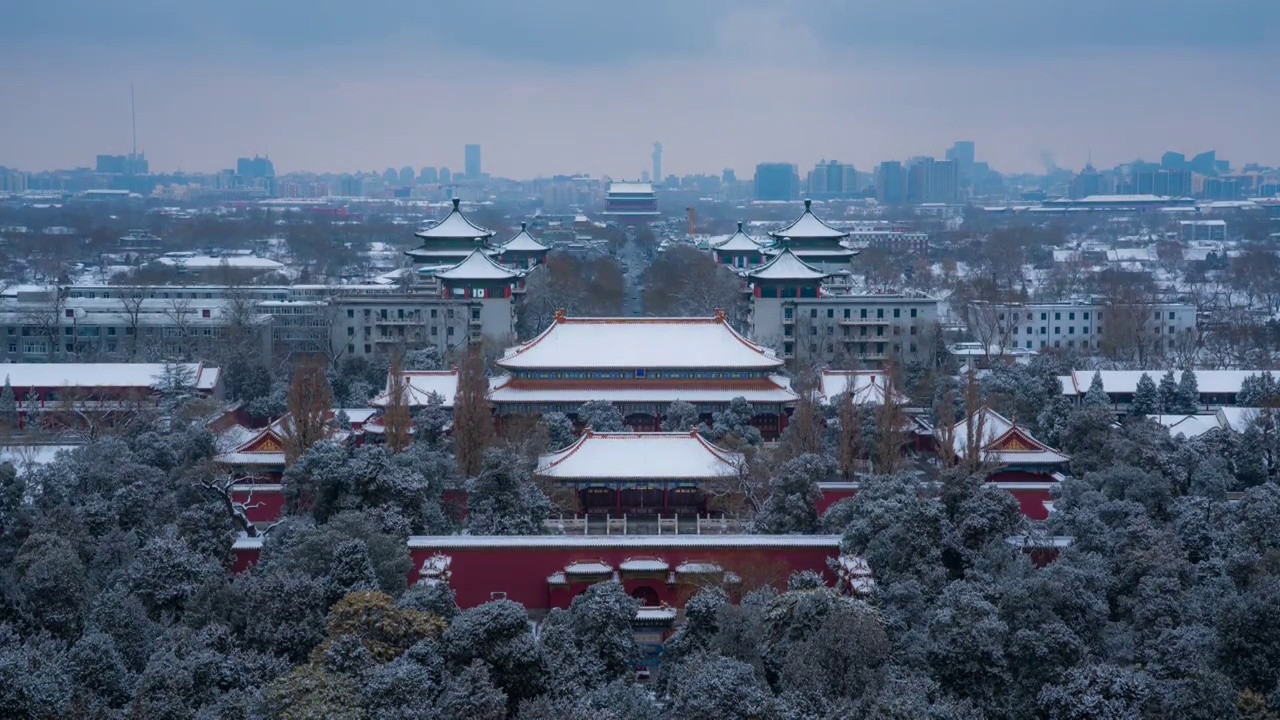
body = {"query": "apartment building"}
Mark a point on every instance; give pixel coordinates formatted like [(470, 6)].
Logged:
[(1083, 325)]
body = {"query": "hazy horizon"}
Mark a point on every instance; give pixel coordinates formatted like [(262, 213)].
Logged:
[(575, 86)]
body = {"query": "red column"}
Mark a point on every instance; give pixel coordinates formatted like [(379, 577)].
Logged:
[(617, 499), (782, 421), (657, 422), (665, 489)]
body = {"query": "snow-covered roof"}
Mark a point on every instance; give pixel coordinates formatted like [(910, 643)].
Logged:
[(235, 262), (455, 226), (644, 565), (698, 568), (103, 375), (776, 390), (419, 384), (1003, 442), (631, 188), (478, 266), (648, 542), (27, 457), (655, 614), (640, 456), (786, 266), (1188, 426), (809, 226), (1236, 418), (740, 241), (524, 242), (594, 567), (867, 386), (640, 343), (1210, 382)]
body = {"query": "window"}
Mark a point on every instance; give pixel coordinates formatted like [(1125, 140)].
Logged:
[(813, 312), (204, 313), (434, 331), (863, 314), (1001, 317), (475, 313), (400, 314), (1170, 315), (1086, 316), (1171, 330), (433, 313), (788, 348), (1057, 330), (813, 348), (449, 331), (111, 331), (1084, 331), (477, 292), (13, 347), (1015, 329), (1044, 316), (368, 349), (66, 331), (830, 313), (913, 329), (846, 313), (813, 329), (913, 312), (1057, 343), (639, 372), (880, 331), (351, 332), (788, 313), (879, 313), (449, 314), (70, 312), (1043, 343), (1028, 344), (1071, 343), (830, 330), (897, 312), (788, 330), (1028, 330), (1057, 316), (1071, 329)]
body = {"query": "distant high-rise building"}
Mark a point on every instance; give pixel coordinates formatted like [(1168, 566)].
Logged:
[(657, 161), (1205, 163), (933, 181), (406, 175), (390, 176), (351, 186), (255, 168), (472, 161), (777, 181), (1173, 161), (728, 176), (445, 175), (962, 152), (644, 176), (891, 183), (1087, 182), (114, 164), (428, 175), (832, 180)]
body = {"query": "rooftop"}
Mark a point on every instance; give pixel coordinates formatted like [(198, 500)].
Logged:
[(631, 188), (809, 226), (640, 343), (478, 266), (786, 266), (524, 242), (740, 241), (455, 226), (102, 375), (457, 542), (639, 456), (420, 384)]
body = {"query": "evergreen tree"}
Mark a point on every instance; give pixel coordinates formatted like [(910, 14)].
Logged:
[(1188, 393), (601, 416), (427, 358), (502, 500), (793, 496), (1097, 394), (559, 428), (32, 413), (352, 569), (1146, 399), (735, 421), (680, 416), (1169, 396), (8, 407)]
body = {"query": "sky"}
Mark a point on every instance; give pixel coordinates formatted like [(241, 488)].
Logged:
[(562, 86)]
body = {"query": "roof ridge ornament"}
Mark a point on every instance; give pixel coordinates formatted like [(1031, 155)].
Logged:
[(560, 315), (807, 204), (720, 315), (456, 202)]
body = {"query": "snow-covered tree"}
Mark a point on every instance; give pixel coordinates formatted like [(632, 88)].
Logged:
[(601, 416), (352, 570), (426, 358), (1188, 393), (1095, 692), (1146, 399), (431, 421), (32, 413), (502, 500), (497, 634), (8, 407), (1097, 394), (793, 495), (735, 421), (1169, 396), (680, 416), (559, 428)]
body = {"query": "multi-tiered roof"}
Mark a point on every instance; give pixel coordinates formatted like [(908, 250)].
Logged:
[(814, 241), (651, 457), (450, 241)]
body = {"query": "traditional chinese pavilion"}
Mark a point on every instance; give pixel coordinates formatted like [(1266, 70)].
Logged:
[(868, 387), (630, 473), (785, 275), (523, 250), (740, 250), (451, 240), (1012, 459), (816, 242), (642, 365), (419, 385), (479, 276), (631, 201)]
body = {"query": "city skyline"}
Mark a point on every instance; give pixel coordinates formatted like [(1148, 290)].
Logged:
[(570, 87)]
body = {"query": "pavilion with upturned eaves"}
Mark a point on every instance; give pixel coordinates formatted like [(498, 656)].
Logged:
[(523, 250), (1011, 458), (642, 365), (815, 242), (451, 240), (740, 250)]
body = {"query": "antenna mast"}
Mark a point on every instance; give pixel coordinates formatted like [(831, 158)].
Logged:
[(133, 119)]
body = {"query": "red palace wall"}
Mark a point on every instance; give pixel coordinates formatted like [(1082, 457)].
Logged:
[(261, 504), (521, 573)]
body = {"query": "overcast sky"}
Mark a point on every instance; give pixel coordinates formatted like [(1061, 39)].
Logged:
[(558, 86)]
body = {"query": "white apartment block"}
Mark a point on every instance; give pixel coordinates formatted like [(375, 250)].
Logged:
[(1043, 326)]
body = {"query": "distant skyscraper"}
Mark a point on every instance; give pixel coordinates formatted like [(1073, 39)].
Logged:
[(728, 176), (115, 164), (255, 168), (427, 175), (777, 181), (351, 186), (891, 183), (406, 175), (391, 176), (445, 175), (933, 181), (1173, 161), (657, 162), (472, 161), (1088, 182), (962, 153)]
